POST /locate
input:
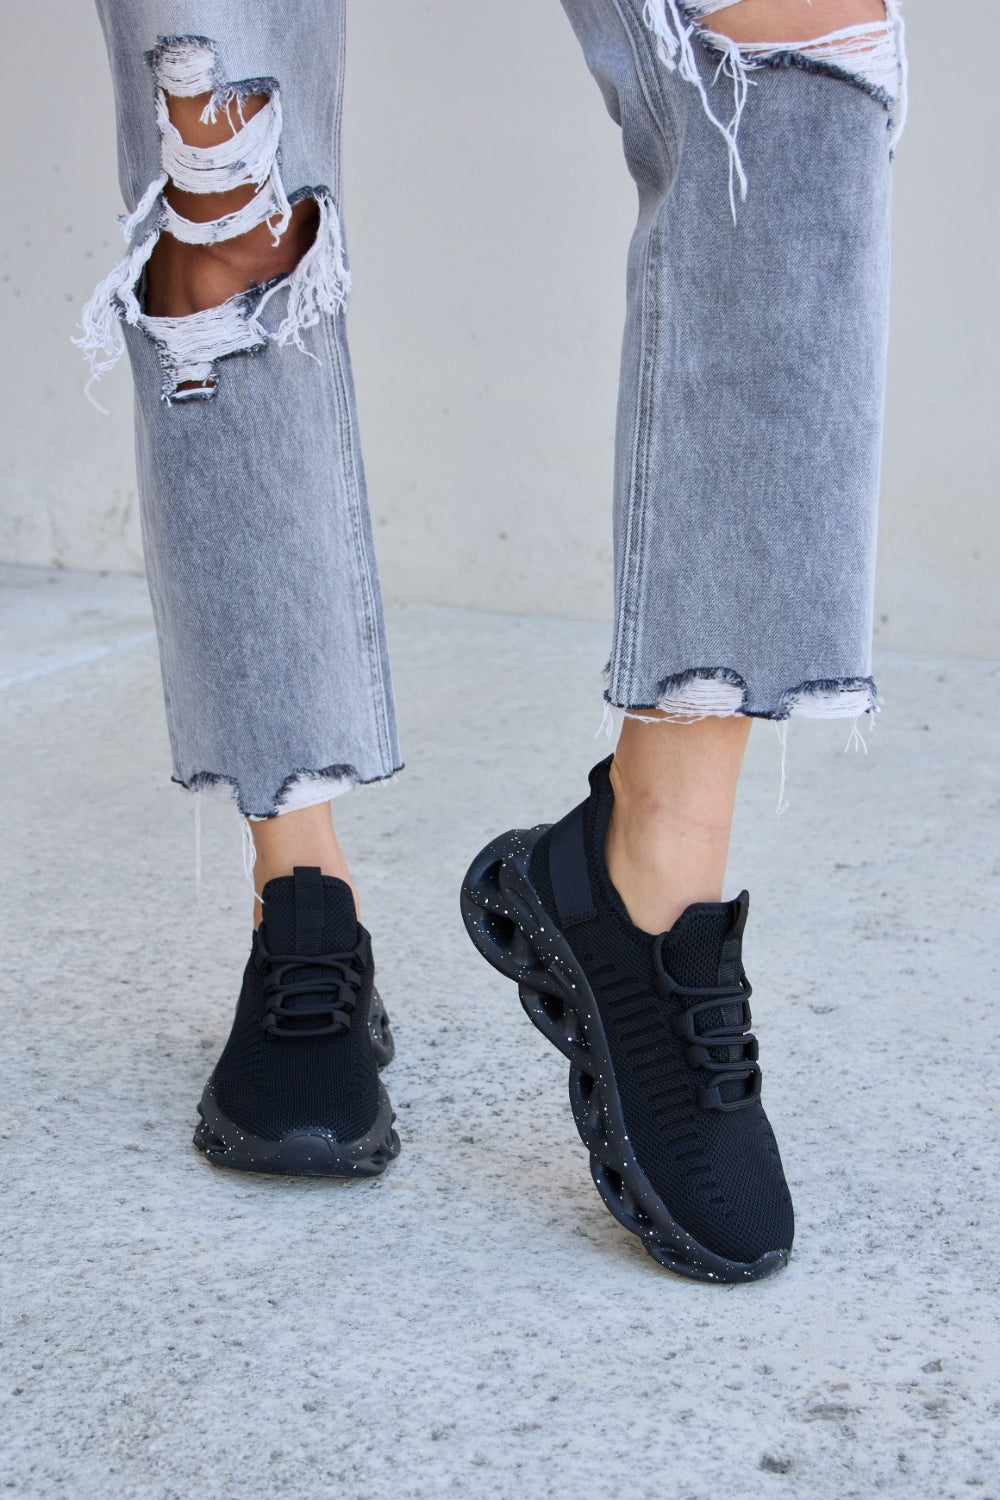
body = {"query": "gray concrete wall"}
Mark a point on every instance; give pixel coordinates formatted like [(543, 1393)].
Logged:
[(488, 213)]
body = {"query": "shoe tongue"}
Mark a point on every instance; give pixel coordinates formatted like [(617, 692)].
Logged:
[(703, 948), (308, 912)]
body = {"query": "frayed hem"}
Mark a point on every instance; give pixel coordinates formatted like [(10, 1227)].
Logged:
[(719, 692), (833, 698), (303, 788)]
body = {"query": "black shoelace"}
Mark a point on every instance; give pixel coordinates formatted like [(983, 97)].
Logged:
[(290, 979), (715, 1022)]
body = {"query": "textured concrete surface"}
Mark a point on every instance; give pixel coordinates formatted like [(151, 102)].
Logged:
[(475, 1323)]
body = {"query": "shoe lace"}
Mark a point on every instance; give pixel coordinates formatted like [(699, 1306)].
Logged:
[(332, 980), (715, 1022)]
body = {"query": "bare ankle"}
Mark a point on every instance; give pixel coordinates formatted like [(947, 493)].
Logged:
[(661, 873), (674, 787), (303, 837)]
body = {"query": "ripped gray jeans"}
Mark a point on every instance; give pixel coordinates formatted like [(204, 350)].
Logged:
[(750, 406)]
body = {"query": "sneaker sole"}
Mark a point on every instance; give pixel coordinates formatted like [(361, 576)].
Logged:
[(306, 1153), (510, 927)]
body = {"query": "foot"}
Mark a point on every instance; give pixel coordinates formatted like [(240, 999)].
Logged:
[(297, 1088), (664, 1079)]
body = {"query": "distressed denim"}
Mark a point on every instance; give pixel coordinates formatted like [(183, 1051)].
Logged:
[(750, 406)]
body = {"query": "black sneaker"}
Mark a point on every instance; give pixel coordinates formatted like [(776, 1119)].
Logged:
[(296, 1089), (664, 1079)]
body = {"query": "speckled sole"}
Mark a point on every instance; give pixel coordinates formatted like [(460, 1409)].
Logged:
[(301, 1153), (510, 927), (313, 1152)]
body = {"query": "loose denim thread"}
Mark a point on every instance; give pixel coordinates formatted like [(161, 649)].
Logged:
[(197, 851), (249, 857), (781, 729), (675, 49), (872, 54), (249, 851)]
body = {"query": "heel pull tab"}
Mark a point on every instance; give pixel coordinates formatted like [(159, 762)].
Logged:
[(568, 871), (309, 909), (730, 965)]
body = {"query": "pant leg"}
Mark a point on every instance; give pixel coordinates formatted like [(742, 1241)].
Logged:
[(750, 411), (255, 516)]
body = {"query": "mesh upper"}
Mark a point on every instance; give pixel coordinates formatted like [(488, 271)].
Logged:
[(719, 1173), (269, 1086)]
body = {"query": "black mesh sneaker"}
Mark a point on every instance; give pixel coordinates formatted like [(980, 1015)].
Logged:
[(664, 1079), (297, 1088)]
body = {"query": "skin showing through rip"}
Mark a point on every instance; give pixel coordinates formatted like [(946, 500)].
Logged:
[(675, 788), (791, 20), (183, 279)]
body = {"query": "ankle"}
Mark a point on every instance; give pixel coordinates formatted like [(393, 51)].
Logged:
[(653, 811), (658, 876), (663, 854)]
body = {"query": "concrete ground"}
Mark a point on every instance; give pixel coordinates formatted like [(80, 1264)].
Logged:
[(474, 1322)]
